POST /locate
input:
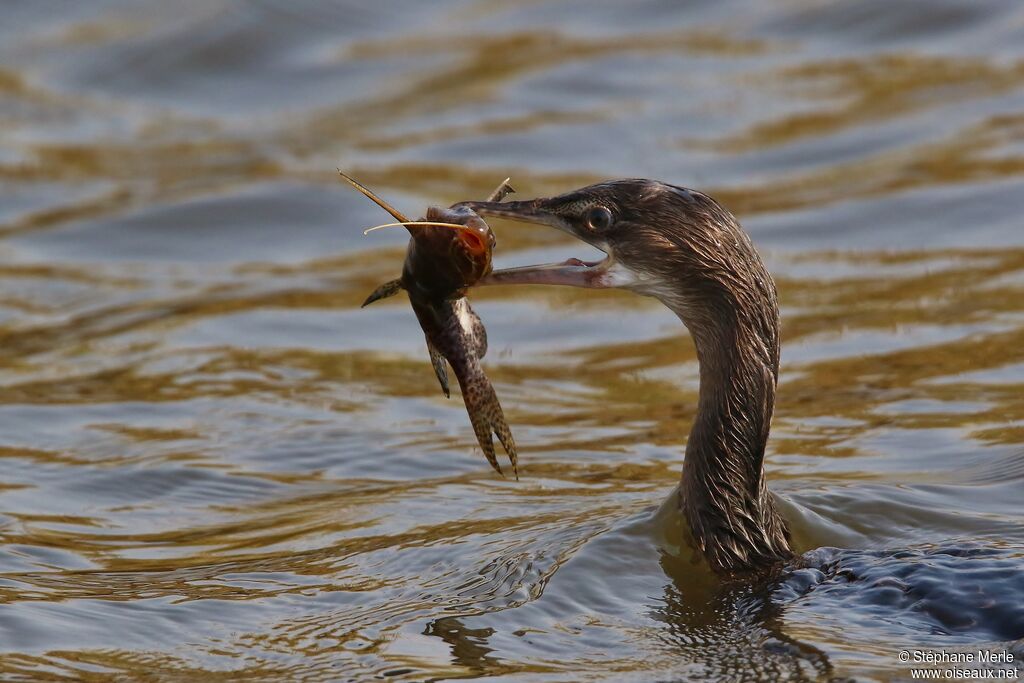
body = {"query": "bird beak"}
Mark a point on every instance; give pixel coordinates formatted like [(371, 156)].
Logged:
[(573, 272), (531, 211)]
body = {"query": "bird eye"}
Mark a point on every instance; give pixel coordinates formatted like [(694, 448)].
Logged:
[(599, 218)]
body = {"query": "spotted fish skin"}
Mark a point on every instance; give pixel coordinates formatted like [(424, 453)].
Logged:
[(455, 331), (440, 266)]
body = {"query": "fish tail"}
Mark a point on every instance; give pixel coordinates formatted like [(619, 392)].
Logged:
[(506, 439), (482, 427), (389, 288), (487, 417)]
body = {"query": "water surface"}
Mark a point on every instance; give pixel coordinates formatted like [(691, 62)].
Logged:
[(215, 464)]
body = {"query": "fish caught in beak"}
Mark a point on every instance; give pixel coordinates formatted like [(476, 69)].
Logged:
[(450, 251), (577, 216)]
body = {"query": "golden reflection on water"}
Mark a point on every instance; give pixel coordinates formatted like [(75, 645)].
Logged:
[(869, 89), (218, 456)]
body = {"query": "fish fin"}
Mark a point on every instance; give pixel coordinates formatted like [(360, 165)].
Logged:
[(387, 289), (485, 414), (481, 339), (501, 191), (507, 441), (437, 360), (483, 436)]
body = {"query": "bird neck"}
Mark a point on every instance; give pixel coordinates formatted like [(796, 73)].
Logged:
[(723, 493)]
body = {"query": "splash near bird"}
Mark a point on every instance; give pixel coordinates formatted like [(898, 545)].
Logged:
[(449, 252)]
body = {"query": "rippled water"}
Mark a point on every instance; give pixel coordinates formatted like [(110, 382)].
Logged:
[(214, 464)]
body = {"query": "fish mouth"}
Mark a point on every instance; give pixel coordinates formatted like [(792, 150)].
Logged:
[(573, 272)]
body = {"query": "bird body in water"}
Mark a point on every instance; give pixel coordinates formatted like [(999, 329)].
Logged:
[(683, 248)]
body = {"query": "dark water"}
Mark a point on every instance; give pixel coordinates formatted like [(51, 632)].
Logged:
[(215, 466)]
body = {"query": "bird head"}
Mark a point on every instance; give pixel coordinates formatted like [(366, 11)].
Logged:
[(678, 245)]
